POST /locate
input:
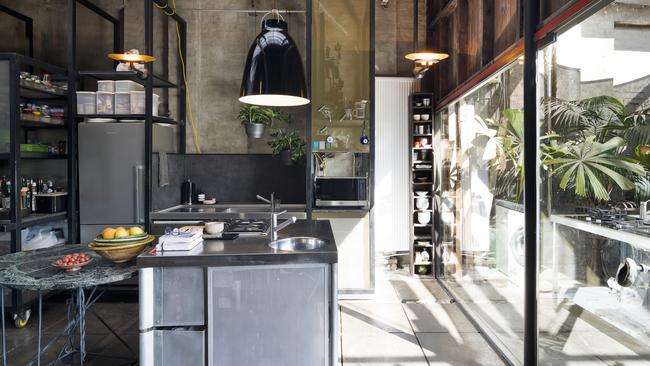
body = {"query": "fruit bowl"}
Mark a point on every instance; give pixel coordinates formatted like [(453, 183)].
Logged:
[(74, 264), (131, 238), (123, 252)]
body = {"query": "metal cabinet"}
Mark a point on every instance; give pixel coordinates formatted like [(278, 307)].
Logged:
[(270, 315), (171, 296), (172, 347)]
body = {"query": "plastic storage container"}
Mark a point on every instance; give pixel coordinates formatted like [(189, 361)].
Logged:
[(125, 86), (138, 103), (106, 86), (105, 103), (122, 103), (86, 102)]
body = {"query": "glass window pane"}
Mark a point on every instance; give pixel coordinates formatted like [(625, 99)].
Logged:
[(481, 205), (594, 91)]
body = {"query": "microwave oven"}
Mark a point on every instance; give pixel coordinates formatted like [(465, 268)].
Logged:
[(341, 191)]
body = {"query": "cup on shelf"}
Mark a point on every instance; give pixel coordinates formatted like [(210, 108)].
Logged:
[(424, 217), (420, 129), (426, 102), (422, 203), (416, 117), (425, 117)]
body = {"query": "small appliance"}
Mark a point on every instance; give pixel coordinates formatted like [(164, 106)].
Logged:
[(341, 191)]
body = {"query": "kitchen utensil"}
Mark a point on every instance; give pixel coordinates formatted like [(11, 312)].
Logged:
[(209, 201), (51, 202), (418, 104), (421, 179), (122, 253), (421, 193), (72, 267), (425, 117), (347, 115), (424, 217), (416, 117), (425, 255), (214, 227), (628, 272), (422, 203), (420, 129), (187, 192), (426, 102)]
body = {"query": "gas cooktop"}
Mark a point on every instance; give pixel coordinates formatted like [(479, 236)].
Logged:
[(247, 227)]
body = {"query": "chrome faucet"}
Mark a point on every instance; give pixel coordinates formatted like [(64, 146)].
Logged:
[(643, 210), (274, 216)]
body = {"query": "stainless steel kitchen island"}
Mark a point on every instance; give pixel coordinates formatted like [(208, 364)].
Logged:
[(241, 302)]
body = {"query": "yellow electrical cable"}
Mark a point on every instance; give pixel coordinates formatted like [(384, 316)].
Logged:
[(188, 99)]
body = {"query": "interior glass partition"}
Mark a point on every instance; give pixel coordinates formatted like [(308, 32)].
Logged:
[(481, 217), (594, 93)]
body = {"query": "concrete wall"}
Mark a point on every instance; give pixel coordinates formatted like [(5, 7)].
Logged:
[(394, 36), (219, 37)]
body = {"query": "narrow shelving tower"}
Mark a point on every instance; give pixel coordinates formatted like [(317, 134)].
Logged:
[(422, 182)]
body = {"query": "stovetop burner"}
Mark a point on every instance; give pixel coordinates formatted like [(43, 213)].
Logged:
[(246, 226), (615, 216)]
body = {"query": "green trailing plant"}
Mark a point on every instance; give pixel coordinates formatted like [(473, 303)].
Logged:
[(282, 140), (249, 113)]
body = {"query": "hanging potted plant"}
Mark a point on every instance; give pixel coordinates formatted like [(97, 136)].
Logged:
[(255, 119), (289, 145)]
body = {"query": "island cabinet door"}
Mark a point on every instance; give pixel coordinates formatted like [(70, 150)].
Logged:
[(171, 296), (269, 315), (172, 347)]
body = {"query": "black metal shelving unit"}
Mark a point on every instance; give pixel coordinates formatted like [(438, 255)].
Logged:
[(12, 159), (422, 179), (150, 83)]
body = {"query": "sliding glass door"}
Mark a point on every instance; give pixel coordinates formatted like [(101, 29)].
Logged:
[(594, 94), (481, 212)]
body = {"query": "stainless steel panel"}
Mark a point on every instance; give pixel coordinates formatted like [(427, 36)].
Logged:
[(269, 315), (178, 296), (172, 347), (146, 298), (108, 153)]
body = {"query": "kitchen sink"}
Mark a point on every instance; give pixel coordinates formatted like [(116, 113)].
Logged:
[(246, 209), (298, 243)]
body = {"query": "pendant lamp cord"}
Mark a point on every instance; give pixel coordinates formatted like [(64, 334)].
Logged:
[(188, 99)]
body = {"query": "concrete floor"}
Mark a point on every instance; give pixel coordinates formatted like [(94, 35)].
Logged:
[(569, 334), (408, 322)]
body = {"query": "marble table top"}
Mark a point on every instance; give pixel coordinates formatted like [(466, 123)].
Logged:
[(33, 270)]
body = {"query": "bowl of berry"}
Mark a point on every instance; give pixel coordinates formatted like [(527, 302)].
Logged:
[(72, 262)]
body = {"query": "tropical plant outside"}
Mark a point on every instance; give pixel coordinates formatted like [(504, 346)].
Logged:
[(594, 148)]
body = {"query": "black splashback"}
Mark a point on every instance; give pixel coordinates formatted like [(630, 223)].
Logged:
[(231, 178)]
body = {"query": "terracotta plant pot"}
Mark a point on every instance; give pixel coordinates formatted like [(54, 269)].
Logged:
[(255, 130)]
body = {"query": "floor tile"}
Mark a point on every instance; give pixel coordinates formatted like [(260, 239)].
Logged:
[(466, 349), (438, 318), (412, 289), (389, 317), (383, 349)]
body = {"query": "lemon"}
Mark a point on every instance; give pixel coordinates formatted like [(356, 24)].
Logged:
[(108, 233)]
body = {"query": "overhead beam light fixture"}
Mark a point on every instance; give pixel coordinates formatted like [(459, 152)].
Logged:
[(274, 75), (423, 59)]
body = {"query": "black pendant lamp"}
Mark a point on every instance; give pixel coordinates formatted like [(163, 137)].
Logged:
[(274, 74)]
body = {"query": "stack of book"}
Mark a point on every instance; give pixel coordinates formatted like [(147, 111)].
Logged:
[(184, 238)]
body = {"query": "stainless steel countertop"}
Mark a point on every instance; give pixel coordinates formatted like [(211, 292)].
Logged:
[(227, 211), (247, 251)]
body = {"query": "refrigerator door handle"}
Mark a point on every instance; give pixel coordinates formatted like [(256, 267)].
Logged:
[(139, 170)]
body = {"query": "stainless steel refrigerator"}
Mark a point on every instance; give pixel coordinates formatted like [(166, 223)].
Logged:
[(112, 174)]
